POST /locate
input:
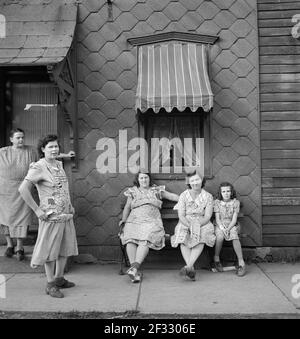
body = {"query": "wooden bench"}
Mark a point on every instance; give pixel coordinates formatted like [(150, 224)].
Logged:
[(170, 219)]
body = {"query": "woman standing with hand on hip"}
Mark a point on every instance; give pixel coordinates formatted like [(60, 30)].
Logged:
[(56, 236)]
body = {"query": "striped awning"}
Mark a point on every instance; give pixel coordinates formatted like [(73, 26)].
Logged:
[(173, 75)]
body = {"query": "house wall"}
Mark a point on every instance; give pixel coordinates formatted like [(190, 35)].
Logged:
[(107, 78), (279, 56)]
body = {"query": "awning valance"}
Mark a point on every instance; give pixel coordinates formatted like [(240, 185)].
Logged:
[(173, 75)]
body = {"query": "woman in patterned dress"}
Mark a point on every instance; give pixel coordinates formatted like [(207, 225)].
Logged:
[(227, 228), (56, 236), (15, 215), (143, 228), (194, 229)]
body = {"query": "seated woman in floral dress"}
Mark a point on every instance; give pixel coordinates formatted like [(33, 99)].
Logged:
[(194, 230), (143, 228)]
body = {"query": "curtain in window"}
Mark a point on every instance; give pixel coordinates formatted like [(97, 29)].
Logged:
[(176, 142), (35, 110)]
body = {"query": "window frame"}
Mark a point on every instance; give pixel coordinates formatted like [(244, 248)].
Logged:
[(207, 121)]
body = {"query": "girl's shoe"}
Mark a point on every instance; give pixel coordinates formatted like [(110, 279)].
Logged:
[(241, 271), (218, 266), (53, 291)]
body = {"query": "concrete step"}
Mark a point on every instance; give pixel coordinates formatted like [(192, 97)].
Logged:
[(12, 265), (28, 250)]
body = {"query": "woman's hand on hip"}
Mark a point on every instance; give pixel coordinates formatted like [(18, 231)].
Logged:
[(41, 214)]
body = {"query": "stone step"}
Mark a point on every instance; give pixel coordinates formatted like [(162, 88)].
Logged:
[(12, 265), (28, 250)]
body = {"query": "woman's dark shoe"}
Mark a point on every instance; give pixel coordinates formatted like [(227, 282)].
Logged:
[(218, 266), (9, 252), (63, 283), (20, 254), (191, 274), (183, 271), (53, 291)]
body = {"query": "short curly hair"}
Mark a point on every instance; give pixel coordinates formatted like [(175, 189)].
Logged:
[(226, 184), (191, 174), (15, 130), (136, 178), (44, 142)]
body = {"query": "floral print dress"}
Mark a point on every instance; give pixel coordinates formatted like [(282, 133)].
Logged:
[(144, 224), (226, 211), (194, 210), (56, 235)]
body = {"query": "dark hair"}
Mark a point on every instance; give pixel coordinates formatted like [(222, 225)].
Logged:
[(226, 184), (136, 178), (191, 174), (44, 142), (15, 130)]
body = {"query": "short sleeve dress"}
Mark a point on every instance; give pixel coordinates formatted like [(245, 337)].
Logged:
[(144, 224), (226, 211), (56, 235), (15, 215), (194, 210)]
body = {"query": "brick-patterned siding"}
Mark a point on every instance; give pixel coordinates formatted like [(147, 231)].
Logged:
[(107, 78)]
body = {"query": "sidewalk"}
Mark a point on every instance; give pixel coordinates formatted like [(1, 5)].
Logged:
[(266, 290)]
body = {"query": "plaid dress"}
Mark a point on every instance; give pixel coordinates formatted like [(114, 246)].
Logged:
[(194, 210), (226, 211)]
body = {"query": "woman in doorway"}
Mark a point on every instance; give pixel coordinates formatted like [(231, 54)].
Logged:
[(143, 228), (56, 237), (194, 230), (15, 215)]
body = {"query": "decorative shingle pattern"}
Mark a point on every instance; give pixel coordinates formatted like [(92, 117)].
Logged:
[(233, 73)]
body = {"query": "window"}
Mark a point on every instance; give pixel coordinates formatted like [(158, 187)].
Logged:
[(176, 141)]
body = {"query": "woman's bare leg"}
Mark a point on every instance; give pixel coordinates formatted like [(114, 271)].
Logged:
[(131, 252), (186, 253), (60, 267), (141, 253), (49, 269), (238, 251), (9, 241), (218, 247), (195, 253)]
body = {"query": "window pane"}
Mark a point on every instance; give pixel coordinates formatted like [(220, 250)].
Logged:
[(176, 142), (35, 110)]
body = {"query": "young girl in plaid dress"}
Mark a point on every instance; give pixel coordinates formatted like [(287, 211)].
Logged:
[(226, 208)]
